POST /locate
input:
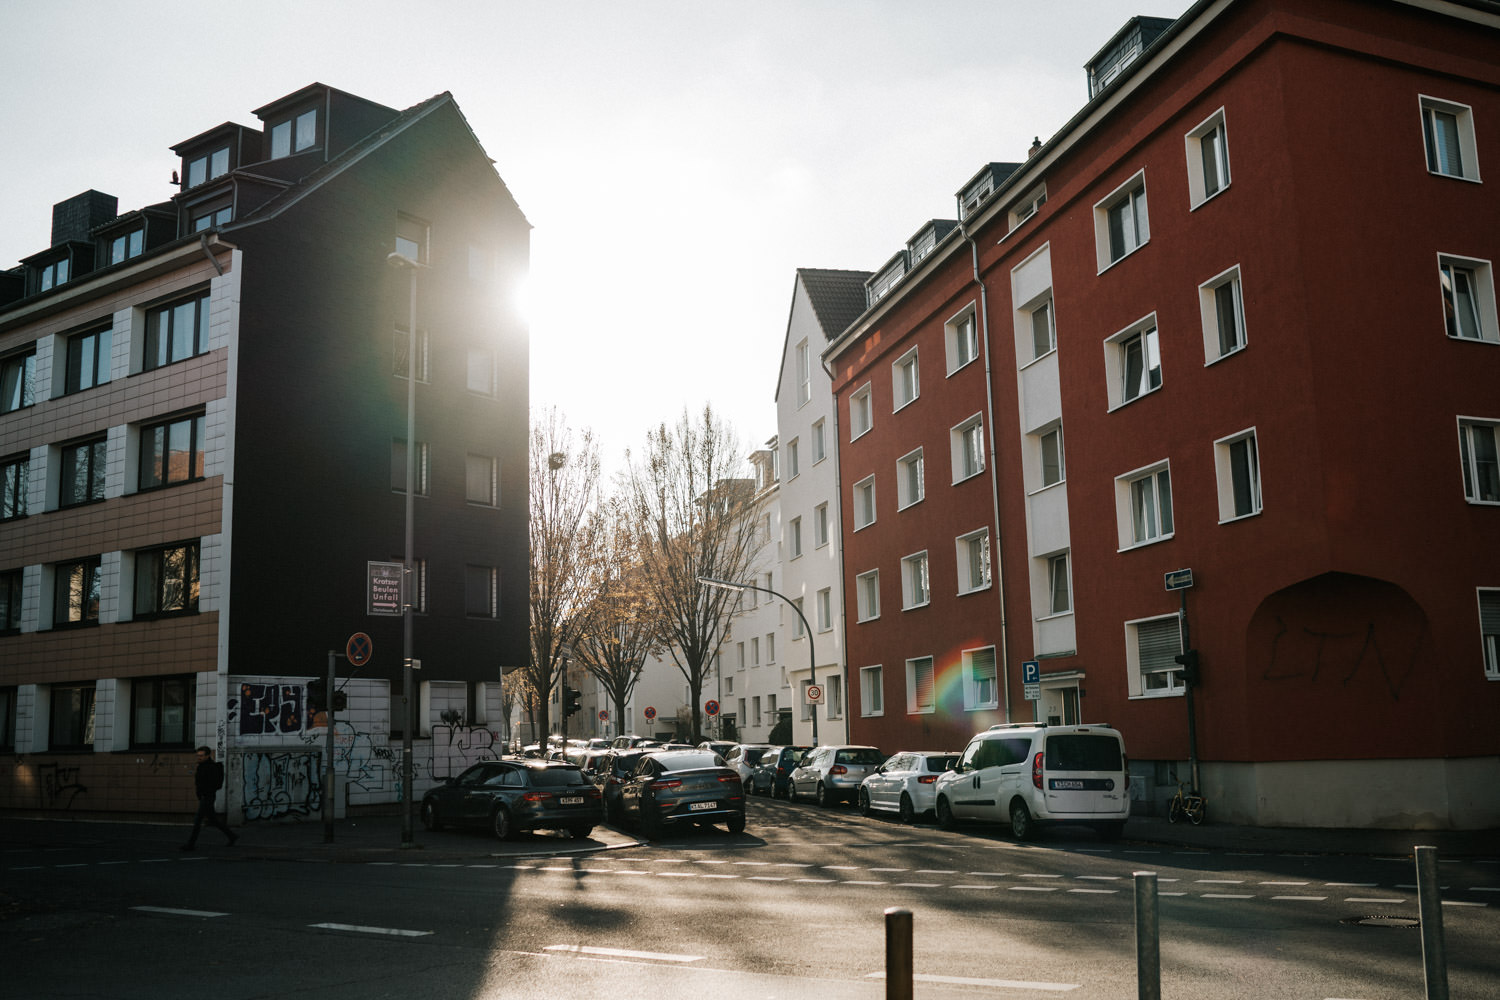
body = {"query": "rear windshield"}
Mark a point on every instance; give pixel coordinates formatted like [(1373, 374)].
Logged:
[(554, 777), (946, 763), (687, 760), (753, 755), (1083, 752), (865, 756)]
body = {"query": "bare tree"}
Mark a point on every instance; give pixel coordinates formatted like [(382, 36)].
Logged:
[(693, 514), (564, 526)]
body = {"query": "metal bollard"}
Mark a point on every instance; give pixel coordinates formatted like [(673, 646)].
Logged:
[(1430, 908), (898, 960), (1147, 938)]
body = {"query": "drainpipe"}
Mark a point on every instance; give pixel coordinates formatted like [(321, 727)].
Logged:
[(838, 494), (203, 242), (989, 403)]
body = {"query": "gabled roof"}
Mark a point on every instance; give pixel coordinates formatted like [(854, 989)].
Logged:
[(838, 297)]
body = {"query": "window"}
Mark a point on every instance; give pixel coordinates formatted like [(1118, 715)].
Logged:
[(481, 371), (755, 711), (867, 595), (967, 440), (820, 525), (72, 717), (833, 697), (1222, 308), (871, 693), (17, 375), (1468, 298), (1121, 225), (398, 468), (210, 214), (1151, 647), (1031, 203), (176, 332), (860, 413), (481, 591), (7, 719), (126, 246), (793, 463), (166, 581), (864, 503), (770, 647), (920, 699), (10, 600), (905, 379), (819, 445), (294, 135), (1478, 453), (172, 452), (202, 169), (82, 475), (15, 482), (402, 342), (739, 649), (915, 592), (825, 609), (1058, 585), (962, 336), (981, 687), (1448, 136), (1132, 362), (53, 274), (973, 561), (1043, 334), (1489, 632), (1050, 453), (411, 237), (1237, 463), (88, 360), (1208, 159), (482, 480), (1144, 501), (807, 706), (161, 712), (799, 627), (909, 488), (804, 373), (794, 536), (75, 599)]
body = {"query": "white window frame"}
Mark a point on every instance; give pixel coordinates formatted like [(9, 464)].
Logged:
[(833, 697), (1047, 310), (1137, 671), (825, 609), (770, 648), (793, 460), (1116, 360), (1059, 561), (863, 500), (1135, 531), (911, 479), (960, 454), (916, 581), (798, 631), (1468, 149), (755, 651), (913, 670), (820, 525), (871, 691), (1470, 458), (1481, 295), (1028, 205), (1489, 630), (803, 360), (974, 688), (861, 412), (1133, 194), (819, 441), (1052, 432), (483, 469), (961, 336), (966, 556), (1211, 130), (1211, 312), (867, 595), (794, 537), (1224, 471), (906, 380)]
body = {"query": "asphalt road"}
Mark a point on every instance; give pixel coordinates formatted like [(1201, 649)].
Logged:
[(792, 908)]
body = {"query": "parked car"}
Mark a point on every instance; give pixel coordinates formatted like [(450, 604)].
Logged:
[(720, 747), (672, 787), (610, 773), (775, 769), (510, 796), (627, 741), (832, 773), (743, 757), (1035, 775), (905, 784)]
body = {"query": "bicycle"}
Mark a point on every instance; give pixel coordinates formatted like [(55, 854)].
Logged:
[(1191, 804)]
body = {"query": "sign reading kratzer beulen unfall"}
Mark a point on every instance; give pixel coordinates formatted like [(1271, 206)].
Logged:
[(385, 588)]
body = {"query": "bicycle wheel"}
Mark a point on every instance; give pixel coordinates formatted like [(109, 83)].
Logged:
[(1174, 811), (1197, 810)]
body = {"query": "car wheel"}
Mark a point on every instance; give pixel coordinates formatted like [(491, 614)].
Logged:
[(1022, 826), (907, 813), (1111, 831), (430, 818), (823, 797), (944, 814), (737, 823), (864, 802), (504, 829), (791, 791), (581, 830)]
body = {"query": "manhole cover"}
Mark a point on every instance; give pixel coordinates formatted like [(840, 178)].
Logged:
[(1382, 920)]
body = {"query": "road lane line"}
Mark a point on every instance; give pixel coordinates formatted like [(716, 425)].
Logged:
[(1099, 878), (1461, 902), (1105, 892), (711, 875), (359, 929), (660, 956), (936, 871), (178, 912), (1033, 888), (816, 881), (1219, 881), (1283, 883), (1308, 898), (1370, 899), (930, 885), (1227, 895), (866, 883), (890, 869), (765, 878), (1004, 984)]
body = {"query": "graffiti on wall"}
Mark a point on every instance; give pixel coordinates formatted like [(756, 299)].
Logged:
[(267, 710), (282, 783), (1353, 656), (456, 747), (60, 785)]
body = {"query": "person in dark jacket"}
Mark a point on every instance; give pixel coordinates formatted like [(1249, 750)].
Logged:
[(207, 781)]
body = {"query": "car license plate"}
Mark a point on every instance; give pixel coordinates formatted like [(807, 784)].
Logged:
[(1063, 784), (571, 800), (700, 806)]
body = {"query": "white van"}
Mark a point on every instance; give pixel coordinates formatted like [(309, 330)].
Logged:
[(1032, 775)]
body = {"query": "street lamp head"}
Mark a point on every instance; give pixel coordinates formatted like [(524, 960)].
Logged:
[(709, 581)]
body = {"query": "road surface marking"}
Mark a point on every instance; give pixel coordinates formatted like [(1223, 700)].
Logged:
[(816, 881), (1283, 883), (1461, 902), (1100, 878), (388, 931), (1033, 888), (1009, 984), (890, 869), (841, 868), (1368, 899), (758, 864), (931, 885), (177, 912), (1226, 895), (1106, 892), (1039, 875), (660, 956), (765, 878), (1352, 885), (936, 871), (866, 883), (1219, 881), (1309, 898)]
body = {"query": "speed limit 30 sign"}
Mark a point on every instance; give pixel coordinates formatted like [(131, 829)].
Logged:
[(814, 692)]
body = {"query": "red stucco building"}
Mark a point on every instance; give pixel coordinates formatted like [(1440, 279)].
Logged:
[(1236, 317)]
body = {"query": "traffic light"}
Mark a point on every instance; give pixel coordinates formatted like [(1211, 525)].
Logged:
[(572, 701), (1189, 661)]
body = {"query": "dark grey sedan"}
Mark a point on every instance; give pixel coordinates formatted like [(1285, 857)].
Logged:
[(510, 796), (675, 787)]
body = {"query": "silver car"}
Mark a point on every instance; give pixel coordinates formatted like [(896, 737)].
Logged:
[(906, 784), (833, 773)]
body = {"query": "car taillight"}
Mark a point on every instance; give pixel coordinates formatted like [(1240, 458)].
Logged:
[(730, 777), (668, 783), (1036, 770), (927, 779), (838, 769), (780, 770), (536, 796)]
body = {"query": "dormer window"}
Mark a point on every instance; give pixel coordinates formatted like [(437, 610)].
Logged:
[(210, 215), (126, 246), (202, 169), (294, 135), (54, 274)]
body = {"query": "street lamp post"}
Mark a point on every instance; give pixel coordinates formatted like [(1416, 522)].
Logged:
[(408, 576), (812, 660)]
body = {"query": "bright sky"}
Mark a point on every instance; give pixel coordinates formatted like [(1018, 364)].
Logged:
[(678, 160)]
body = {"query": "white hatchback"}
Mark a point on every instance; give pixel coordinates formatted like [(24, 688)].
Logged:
[(906, 784)]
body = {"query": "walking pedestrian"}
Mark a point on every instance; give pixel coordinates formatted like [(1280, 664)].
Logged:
[(207, 780)]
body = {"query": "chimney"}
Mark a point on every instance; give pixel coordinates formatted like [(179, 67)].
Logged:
[(1036, 146), (74, 218)]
